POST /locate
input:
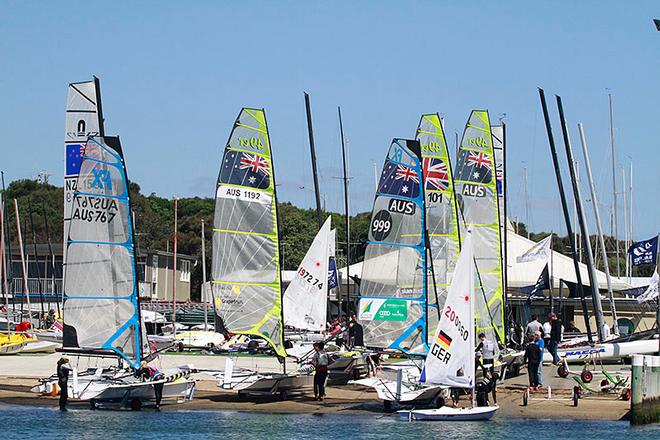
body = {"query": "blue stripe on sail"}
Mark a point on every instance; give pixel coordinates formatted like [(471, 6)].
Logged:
[(420, 322), (126, 244), (119, 298)]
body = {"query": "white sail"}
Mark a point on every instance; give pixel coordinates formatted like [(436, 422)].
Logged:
[(306, 298), (450, 360)]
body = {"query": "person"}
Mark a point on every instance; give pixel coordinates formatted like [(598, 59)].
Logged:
[(320, 360), (532, 358), (486, 350), (340, 335), (487, 385), (547, 326), (606, 332), (538, 339), (572, 328), (533, 326), (63, 369), (50, 318), (555, 337), (358, 334), (146, 373)]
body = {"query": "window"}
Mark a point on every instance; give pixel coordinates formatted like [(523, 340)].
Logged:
[(154, 268), (185, 271)]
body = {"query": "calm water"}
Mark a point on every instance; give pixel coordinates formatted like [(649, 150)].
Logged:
[(46, 423)]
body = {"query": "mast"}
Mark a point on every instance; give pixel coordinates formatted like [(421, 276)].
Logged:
[(567, 216), (626, 242), (310, 131), (630, 222), (36, 260), (615, 231), (526, 201), (204, 293), (174, 280), (601, 240), (5, 227), (3, 262), (347, 219), (505, 230), (23, 266), (51, 255), (593, 280)]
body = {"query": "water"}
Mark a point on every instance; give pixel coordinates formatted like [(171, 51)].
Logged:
[(45, 423)]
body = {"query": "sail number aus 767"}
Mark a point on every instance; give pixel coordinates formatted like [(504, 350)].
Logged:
[(312, 280), (94, 209)]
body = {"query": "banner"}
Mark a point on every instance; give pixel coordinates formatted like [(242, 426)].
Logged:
[(652, 291), (644, 252), (540, 251)]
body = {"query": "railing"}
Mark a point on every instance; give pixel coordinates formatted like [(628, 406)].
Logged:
[(36, 287)]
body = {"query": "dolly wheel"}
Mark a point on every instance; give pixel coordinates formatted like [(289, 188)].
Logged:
[(625, 394), (562, 371), (136, 404), (586, 376)]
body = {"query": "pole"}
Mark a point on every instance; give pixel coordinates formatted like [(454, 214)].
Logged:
[(584, 231), (204, 292), (526, 201), (567, 216), (36, 260), (5, 226), (23, 267), (310, 131), (174, 269), (51, 255), (614, 211), (3, 263), (601, 240), (347, 218), (630, 223), (626, 244)]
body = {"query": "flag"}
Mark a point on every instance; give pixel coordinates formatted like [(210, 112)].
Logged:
[(74, 153), (644, 252), (542, 283), (444, 339), (657, 23), (435, 174), (399, 180), (540, 251), (474, 166), (652, 291), (332, 274), (246, 169)]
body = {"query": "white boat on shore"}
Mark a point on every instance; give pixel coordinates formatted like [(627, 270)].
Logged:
[(449, 414)]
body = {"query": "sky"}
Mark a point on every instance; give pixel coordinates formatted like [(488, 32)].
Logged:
[(174, 75)]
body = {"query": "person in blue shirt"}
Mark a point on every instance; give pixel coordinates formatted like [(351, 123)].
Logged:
[(538, 339)]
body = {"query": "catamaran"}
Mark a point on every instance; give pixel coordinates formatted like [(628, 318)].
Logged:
[(101, 304), (246, 284), (450, 361)]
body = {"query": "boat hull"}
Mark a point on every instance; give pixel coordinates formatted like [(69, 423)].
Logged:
[(448, 414), (607, 351)]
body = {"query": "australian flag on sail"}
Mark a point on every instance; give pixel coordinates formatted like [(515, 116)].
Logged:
[(644, 252), (542, 283), (333, 282), (246, 169), (399, 180), (474, 166), (435, 174), (74, 153)]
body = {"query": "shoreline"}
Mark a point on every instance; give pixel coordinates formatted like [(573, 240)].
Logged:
[(348, 399)]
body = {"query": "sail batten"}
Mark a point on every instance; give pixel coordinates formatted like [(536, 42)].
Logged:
[(477, 195), (392, 305), (246, 259)]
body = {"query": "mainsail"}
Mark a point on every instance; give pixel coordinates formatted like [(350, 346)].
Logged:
[(476, 192), (306, 298), (246, 259), (441, 212), (499, 145), (392, 304), (450, 360), (84, 118), (101, 303)]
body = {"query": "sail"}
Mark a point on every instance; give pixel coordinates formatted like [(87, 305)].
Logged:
[(306, 298), (83, 119), (441, 212), (476, 193), (392, 307), (101, 304), (333, 276), (499, 134), (450, 360), (246, 281)]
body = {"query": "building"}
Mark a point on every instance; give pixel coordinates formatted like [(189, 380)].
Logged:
[(44, 274)]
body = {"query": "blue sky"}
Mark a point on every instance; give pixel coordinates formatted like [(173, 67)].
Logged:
[(175, 74)]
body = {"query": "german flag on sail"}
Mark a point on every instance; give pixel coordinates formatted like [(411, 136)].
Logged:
[(443, 339)]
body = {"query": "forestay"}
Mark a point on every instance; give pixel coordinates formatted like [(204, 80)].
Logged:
[(392, 305), (306, 297), (441, 212), (476, 192), (246, 259), (451, 360), (101, 304)]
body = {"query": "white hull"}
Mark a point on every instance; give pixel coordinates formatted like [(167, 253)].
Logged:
[(607, 351), (411, 393), (448, 414), (41, 347), (247, 382), (9, 349), (121, 396)]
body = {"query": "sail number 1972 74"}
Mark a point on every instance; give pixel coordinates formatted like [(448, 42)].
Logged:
[(311, 279)]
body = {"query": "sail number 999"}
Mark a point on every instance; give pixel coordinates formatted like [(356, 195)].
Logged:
[(453, 317), (381, 225)]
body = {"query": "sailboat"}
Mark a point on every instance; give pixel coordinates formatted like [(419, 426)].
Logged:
[(450, 361), (246, 283), (101, 303)]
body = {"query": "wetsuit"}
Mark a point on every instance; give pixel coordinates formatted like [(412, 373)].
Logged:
[(150, 373), (63, 383), (533, 359)]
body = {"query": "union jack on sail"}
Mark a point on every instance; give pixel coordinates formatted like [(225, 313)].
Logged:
[(255, 163), (435, 174), (479, 159)]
